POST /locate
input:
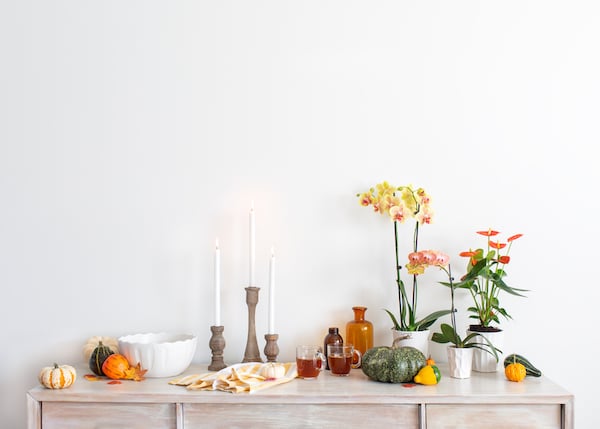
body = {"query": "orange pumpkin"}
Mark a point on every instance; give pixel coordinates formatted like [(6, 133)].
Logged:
[(115, 366)]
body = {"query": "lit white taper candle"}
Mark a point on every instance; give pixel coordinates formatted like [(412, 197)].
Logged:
[(272, 293), (217, 284)]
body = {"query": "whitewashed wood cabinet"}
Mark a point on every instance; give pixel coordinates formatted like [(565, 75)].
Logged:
[(486, 400)]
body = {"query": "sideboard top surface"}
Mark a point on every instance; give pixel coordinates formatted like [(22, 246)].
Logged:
[(357, 388)]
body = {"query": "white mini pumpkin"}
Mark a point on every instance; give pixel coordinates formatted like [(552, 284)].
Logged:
[(57, 376), (273, 370)]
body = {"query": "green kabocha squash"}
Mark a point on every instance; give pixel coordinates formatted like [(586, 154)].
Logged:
[(392, 364), (98, 356), (529, 368)]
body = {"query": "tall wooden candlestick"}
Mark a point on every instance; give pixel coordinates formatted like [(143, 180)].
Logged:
[(252, 354)]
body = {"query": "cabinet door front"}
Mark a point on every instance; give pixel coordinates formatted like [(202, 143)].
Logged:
[(510, 416), (300, 416), (95, 415)]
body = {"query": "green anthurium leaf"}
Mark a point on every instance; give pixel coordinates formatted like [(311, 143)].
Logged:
[(463, 284), (503, 286), (475, 271)]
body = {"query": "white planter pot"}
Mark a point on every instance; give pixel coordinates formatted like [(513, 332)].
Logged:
[(484, 361), (460, 361), (417, 339)]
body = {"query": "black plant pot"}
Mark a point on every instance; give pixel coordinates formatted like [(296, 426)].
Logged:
[(480, 328)]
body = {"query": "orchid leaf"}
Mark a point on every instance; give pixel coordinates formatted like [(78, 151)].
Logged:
[(397, 326), (426, 322)]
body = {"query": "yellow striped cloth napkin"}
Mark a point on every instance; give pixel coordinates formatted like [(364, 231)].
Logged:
[(241, 377)]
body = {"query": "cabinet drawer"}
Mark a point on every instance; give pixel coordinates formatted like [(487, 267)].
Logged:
[(497, 416), (300, 415), (96, 415)]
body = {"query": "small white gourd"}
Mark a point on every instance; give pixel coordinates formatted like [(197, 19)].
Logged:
[(273, 371)]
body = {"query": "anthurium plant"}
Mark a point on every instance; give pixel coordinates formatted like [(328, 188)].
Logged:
[(401, 204), (484, 279)]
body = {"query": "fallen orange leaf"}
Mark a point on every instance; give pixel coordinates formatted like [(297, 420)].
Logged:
[(91, 377)]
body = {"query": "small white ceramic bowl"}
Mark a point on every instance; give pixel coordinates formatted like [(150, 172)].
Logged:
[(162, 354)]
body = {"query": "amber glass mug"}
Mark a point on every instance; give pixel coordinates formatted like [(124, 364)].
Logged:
[(310, 361), (341, 358)]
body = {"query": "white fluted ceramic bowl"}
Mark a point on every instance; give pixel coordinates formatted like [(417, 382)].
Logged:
[(162, 354)]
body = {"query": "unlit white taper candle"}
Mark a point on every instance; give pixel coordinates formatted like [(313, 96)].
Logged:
[(272, 293), (252, 246), (217, 284)]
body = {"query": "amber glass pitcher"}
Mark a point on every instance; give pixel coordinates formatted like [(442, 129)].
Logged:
[(359, 332)]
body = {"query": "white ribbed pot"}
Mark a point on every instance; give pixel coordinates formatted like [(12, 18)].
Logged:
[(460, 361), (417, 339), (482, 360)]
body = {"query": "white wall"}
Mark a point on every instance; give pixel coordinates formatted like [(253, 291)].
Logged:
[(133, 133)]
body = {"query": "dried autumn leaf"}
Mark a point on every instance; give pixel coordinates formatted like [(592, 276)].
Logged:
[(91, 377), (135, 373)]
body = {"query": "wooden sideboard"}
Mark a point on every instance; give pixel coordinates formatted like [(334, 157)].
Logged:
[(482, 401)]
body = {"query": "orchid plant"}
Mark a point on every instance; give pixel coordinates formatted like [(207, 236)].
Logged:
[(449, 333), (485, 278), (400, 204)]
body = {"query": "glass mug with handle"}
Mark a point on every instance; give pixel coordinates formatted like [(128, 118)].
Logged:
[(343, 357), (310, 361)]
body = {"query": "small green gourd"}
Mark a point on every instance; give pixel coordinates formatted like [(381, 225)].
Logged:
[(98, 356)]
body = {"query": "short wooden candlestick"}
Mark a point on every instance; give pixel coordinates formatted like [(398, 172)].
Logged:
[(217, 345), (252, 354), (271, 348)]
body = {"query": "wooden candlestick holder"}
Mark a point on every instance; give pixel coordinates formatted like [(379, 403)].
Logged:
[(271, 348), (252, 354), (217, 345)]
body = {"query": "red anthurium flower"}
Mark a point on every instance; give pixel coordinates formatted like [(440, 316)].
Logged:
[(497, 245), (470, 254), (488, 233), (504, 259), (514, 237)]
